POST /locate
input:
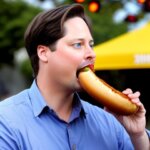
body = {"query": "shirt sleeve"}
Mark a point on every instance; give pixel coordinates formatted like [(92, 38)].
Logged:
[(124, 141), (123, 138), (7, 136)]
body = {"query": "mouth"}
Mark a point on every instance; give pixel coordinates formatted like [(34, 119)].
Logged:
[(90, 66)]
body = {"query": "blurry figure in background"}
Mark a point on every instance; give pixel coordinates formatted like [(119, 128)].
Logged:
[(3, 91), (50, 114)]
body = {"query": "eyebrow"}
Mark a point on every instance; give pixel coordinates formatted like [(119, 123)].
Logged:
[(82, 39)]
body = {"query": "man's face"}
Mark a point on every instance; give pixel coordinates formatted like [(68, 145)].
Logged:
[(73, 51)]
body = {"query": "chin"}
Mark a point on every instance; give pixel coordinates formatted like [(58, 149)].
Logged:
[(78, 87)]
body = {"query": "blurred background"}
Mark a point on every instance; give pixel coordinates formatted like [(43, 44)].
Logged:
[(120, 29)]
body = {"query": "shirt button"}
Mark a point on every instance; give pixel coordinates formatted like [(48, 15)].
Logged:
[(73, 147)]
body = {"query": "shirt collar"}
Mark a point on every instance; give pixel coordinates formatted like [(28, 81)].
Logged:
[(77, 110), (37, 101), (39, 104)]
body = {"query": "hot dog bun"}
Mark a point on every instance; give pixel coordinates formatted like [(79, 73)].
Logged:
[(111, 98)]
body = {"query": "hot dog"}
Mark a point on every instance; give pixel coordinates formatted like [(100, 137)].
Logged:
[(111, 98)]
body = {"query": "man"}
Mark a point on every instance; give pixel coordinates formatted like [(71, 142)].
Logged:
[(50, 115)]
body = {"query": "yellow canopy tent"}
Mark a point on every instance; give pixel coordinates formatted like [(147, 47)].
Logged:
[(128, 51)]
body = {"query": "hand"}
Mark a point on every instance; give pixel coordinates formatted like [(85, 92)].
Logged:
[(135, 123)]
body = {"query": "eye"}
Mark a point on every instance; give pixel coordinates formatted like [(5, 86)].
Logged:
[(77, 45)]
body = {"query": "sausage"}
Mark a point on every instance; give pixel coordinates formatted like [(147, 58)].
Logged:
[(108, 96)]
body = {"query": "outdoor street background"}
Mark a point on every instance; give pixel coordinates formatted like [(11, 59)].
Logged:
[(113, 19)]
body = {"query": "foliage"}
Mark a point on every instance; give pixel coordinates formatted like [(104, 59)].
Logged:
[(103, 26), (15, 15), (102, 22), (26, 70)]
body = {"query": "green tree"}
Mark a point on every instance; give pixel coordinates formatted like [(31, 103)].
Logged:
[(15, 15), (104, 28)]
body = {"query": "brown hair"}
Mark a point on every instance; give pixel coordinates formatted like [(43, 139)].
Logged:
[(47, 27)]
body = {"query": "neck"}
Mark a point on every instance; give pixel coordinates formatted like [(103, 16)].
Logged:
[(57, 98)]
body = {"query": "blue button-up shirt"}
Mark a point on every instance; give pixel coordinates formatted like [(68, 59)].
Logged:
[(27, 123)]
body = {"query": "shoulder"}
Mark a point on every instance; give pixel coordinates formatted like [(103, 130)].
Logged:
[(101, 120), (94, 110), (148, 133), (14, 100), (99, 116), (12, 107), (11, 117)]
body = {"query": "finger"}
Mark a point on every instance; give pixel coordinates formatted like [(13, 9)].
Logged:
[(134, 95), (141, 110), (128, 91), (136, 101)]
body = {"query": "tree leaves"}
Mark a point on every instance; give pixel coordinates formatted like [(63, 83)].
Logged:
[(15, 16)]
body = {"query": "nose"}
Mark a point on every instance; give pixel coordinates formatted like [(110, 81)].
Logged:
[(90, 54)]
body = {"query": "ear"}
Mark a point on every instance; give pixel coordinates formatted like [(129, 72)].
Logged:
[(42, 52)]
